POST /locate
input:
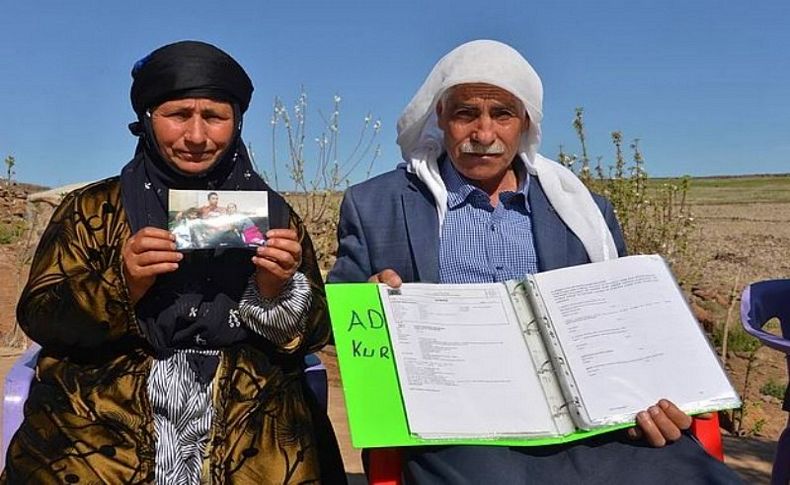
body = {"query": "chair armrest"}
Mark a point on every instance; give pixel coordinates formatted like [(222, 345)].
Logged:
[(17, 387), (315, 374), (708, 433), (385, 466)]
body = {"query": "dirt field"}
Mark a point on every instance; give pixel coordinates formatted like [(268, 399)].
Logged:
[(743, 235)]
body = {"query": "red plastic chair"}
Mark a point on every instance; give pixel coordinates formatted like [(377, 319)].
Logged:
[(385, 464)]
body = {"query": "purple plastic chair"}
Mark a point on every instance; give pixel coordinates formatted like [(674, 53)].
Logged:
[(760, 302), (17, 386)]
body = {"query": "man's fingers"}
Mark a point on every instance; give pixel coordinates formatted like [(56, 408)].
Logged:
[(634, 433), (669, 430), (388, 277), (663, 423), (678, 417), (651, 432)]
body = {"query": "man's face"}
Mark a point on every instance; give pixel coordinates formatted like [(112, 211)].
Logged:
[(213, 200), (482, 127), (193, 132)]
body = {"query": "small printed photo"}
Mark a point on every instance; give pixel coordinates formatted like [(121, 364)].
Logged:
[(210, 219)]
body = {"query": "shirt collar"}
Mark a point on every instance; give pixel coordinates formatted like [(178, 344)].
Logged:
[(459, 188)]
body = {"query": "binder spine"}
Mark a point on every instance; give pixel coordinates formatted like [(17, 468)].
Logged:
[(540, 358), (572, 398)]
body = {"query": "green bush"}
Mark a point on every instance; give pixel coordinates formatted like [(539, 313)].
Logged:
[(11, 232), (655, 218), (737, 340), (774, 389)]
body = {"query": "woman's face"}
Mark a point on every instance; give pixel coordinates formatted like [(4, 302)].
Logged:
[(192, 133)]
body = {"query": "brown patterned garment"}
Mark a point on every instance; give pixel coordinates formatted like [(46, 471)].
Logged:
[(88, 418)]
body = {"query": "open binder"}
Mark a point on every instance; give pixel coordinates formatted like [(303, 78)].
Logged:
[(552, 358)]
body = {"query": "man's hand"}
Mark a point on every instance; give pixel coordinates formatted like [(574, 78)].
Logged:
[(151, 251), (388, 277), (661, 424), (277, 261)]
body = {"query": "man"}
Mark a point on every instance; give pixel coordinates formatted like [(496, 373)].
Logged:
[(475, 202), (212, 209)]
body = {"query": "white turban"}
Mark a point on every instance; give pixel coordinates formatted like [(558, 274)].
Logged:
[(491, 62)]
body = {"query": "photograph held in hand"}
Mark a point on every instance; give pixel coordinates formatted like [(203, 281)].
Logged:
[(203, 219)]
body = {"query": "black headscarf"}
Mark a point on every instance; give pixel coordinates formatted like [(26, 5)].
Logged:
[(196, 306)]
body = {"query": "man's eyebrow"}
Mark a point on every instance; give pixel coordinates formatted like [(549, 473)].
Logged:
[(508, 106), (464, 105)]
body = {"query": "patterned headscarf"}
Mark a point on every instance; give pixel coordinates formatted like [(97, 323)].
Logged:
[(192, 307)]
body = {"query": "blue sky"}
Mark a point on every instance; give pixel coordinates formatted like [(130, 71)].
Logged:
[(705, 85)]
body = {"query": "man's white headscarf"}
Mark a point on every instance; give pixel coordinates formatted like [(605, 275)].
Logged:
[(491, 62)]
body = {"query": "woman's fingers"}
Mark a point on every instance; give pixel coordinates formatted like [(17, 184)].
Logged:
[(155, 269), (282, 234), (148, 253), (285, 259), (155, 258), (277, 261), (284, 251), (152, 239)]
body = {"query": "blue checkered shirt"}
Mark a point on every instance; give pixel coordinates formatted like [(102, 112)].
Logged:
[(480, 243)]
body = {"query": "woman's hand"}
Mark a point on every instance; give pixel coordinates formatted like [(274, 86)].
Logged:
[(151, 251), (277, 261)]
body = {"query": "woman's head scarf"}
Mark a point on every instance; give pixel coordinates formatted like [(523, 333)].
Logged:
[(187, 69), (497, 64), (195, 306)]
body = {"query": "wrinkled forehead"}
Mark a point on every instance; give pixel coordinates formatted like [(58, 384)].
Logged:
[(481, 91)]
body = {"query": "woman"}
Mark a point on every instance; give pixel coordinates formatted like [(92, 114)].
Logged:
[(168, 367)]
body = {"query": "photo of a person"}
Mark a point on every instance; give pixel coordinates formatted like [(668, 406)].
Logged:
[(218, 219), (184, 231), (249, 233), (212, 209)]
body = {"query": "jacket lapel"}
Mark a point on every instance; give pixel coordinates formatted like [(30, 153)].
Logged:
[(422, 228), (548, 230)]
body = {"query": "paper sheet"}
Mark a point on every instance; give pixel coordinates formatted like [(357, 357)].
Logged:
[(630, 338), (462, 362)]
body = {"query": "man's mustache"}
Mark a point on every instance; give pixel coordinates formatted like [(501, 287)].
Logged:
[(472, 148)]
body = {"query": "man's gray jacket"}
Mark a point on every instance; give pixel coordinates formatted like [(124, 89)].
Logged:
[(390, 222)]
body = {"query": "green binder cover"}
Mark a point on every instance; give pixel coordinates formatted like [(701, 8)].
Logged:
[(374, 404)]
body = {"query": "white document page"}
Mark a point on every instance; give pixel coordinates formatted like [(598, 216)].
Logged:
[(630, 339), (462, 363)]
